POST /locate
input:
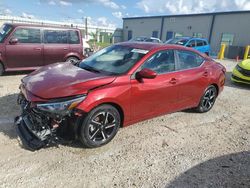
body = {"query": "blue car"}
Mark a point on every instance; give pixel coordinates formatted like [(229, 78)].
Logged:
[(199, 44)]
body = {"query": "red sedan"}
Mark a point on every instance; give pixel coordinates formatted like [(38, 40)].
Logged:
[(117, 86)]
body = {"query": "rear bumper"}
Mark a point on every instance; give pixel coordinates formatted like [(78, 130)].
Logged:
[(28, 139)]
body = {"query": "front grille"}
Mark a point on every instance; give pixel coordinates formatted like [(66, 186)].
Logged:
[(243, 71)]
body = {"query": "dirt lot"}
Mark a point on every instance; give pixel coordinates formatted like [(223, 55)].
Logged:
[(183, 149)]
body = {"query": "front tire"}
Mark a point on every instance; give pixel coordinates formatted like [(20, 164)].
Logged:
[(72, 60), (100, 126), (1, 69), (208, 99)]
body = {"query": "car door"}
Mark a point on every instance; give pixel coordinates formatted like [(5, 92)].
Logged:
[(27, 50), (192, 77), (158, 95), (200, 46), (191, 44), (56, 45)]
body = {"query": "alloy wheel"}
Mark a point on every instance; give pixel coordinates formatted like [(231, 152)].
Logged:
[(72, 60), (102, 126), (209, 98)]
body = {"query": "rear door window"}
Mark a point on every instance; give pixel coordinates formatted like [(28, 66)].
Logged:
[(27, 35), (55, 37), (188, 60), (74, 37)]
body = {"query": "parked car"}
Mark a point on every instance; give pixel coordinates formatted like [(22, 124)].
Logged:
[(199, 44), (27, 47), (241, 72), (146, 39), (115, 87), (88, 50)]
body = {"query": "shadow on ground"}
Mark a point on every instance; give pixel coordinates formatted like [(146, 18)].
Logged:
[(8, 110), (16, 73), (227, 171), (230, 83)]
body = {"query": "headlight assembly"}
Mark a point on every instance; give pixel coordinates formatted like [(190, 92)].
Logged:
[(61, 106)]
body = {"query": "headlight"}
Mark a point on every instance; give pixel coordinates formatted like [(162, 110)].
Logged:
[(61, 106)]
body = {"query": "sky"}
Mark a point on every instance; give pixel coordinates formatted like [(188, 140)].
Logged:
[(109, 13)]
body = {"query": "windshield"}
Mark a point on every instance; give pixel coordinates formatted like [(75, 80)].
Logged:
[(4, 31), (178, 41), (113, 60)]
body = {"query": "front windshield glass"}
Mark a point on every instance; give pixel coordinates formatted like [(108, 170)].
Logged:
[(177, 41), (113, 60), (4, 31)]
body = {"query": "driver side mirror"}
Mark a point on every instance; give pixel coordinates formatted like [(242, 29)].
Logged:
[(13, 41), (146, 73)]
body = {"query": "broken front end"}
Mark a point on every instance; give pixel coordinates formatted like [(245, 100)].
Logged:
[(47, 123)]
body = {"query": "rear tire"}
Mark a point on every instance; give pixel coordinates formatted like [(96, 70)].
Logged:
[(100, 126), (207, 100), (1, 69), (72, 60)]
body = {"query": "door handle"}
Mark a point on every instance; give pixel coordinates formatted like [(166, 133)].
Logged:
[(65, 48), (38, 49), (173, 81)]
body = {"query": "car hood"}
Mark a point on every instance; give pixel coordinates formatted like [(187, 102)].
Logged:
[(63, 80), (245, 64)]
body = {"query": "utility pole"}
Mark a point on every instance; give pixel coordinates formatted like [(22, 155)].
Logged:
[(86, 28)]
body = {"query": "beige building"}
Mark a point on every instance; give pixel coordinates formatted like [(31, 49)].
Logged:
[(231, 28)]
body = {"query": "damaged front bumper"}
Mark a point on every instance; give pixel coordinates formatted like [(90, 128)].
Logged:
[(28, 138), (37, 129)]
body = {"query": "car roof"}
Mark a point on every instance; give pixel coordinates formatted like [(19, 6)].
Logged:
[(41, 26)]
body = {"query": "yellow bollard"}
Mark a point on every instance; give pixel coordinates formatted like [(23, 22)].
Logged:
[(246, 52), (222, 52)]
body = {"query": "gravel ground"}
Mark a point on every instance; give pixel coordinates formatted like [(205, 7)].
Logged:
[(182, 149)]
